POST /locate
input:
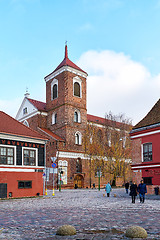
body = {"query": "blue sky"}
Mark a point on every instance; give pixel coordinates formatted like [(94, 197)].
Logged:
[(115, 41)]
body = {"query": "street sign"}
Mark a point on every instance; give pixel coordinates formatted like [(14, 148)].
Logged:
[(53, 159), (54, 165)]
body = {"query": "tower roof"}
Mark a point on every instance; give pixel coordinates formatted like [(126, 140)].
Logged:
[(67, 62)]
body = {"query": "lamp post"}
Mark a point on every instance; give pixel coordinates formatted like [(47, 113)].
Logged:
[(60, 178), (99, 176), (53, 165)]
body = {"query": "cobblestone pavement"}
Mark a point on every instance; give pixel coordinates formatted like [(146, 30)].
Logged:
[(94, 216)]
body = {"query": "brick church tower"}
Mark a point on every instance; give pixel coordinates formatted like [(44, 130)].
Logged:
[(66, 102)]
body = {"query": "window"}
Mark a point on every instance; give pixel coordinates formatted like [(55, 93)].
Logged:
[(76, 89), (29, 157), (77, 116), (78, 165), (26, 123), (147, 152), (55, 91), (7, 155), (54, 118), (99, 135), (147, 180), (24, 184), (25, 110), (78, 138)]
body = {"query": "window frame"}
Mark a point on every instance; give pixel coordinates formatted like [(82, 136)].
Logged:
[(54, 82), (78, 141), (55, 91), (54, 118), (36, 156), (14, 154), (146, 180), (77, 89), (25, 110), (77, 118), (26, 123), (147, 153), (79, 81), (25, 184)]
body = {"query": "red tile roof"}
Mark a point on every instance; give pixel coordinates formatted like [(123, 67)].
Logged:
[(66, 62), (9, 125), (41, 106), (99, 120), (153, 117), (49, 132)]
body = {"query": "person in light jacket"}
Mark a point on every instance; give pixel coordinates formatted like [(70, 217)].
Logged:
[(108, 189)]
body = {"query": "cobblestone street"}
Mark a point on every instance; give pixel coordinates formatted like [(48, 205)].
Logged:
[(93, 215)]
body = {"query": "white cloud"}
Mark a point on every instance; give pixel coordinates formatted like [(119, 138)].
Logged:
[(117, 83)]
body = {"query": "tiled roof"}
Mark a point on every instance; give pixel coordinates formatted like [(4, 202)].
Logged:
[(67, 62), (49, 132), (153, 117), (9, 125), (41, 106), (99, 120)]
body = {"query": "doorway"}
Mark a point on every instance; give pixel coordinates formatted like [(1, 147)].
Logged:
[(3, 190), (78, 181)]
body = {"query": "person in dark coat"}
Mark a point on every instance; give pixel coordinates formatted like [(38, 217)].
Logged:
[(126, 186), (133, 191), (142, 189)]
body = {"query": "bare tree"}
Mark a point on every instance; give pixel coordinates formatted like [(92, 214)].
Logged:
[(117, 144)]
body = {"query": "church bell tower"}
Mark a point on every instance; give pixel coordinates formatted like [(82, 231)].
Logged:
[(66, 102)]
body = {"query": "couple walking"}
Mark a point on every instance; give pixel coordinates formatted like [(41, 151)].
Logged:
[(141, 189)]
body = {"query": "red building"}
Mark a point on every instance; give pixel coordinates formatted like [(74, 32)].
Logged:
[(22, 159), (146, 150)]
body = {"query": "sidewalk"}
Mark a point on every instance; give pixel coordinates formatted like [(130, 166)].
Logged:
[(94, 216)]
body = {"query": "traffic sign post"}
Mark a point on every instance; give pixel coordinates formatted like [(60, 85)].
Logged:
[(44, 176), (54, 166)]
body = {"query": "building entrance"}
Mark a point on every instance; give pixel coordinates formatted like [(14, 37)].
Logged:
[(78, 181), (3, 190)]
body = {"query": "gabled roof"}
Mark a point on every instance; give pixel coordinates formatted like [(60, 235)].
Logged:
[(9, 125), (67, 62), (41, 106), (51, 134), (152, 118), (103, 121)]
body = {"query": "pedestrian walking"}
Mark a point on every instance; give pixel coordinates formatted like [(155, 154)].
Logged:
[(108, 189), (126, 186), (133, 191), (142, 189)]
